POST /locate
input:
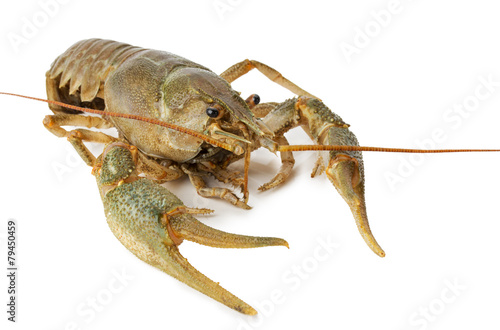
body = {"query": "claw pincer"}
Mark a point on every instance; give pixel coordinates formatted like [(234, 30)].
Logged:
[(151, 222), (343, 168)]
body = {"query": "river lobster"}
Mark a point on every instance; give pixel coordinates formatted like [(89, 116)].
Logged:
[(176, 118)]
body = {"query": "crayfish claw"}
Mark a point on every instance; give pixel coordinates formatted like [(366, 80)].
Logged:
[(188, 227), (344, 172), (151, 222), (343, 168), (319, 167), (174, 264), (188, 210)]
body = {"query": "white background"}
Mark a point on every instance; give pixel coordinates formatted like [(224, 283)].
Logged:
[(438, 225)]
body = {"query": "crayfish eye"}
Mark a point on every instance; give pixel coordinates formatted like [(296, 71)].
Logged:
[(253, 100), (256, 99), (212, 112)]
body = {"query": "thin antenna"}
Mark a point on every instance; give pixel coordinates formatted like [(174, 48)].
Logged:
[(231, 148), (318, 147), (181, 129)]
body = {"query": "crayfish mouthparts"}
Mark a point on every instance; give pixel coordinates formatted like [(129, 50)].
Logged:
[(151, 222)]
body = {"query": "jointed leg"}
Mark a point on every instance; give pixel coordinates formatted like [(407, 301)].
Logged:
[(54, 122), (239, 69), (76, 137), (203, 190), (234, 178), (287, 162), (261, 110), (158, 172)]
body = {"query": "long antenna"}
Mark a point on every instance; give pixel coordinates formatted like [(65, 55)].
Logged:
[(231, 148), (185, 130), (317, 147)]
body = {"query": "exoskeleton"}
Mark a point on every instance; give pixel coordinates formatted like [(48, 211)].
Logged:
[(116, 77), (153, 225)]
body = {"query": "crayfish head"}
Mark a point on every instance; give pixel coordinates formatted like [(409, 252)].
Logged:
[(346, 174), (199, 99)]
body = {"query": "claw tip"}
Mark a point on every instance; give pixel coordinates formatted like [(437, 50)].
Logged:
[(252, 312), (246, 309)]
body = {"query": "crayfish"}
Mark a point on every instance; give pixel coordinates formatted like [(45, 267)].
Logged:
[(175, 118)]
